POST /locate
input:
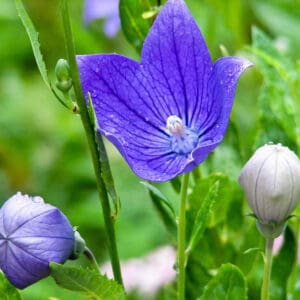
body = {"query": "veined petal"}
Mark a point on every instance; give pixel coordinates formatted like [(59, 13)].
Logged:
[(124, 106), (213, 119), (177, 62), (23, 268), (176, 80), (30, 207)]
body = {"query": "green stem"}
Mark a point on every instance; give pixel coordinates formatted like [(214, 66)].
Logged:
[(181, 256), (90, 134), (267, 270)]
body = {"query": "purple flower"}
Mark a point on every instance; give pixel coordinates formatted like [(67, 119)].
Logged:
[(168, 112), (103, 9), (32, 234)]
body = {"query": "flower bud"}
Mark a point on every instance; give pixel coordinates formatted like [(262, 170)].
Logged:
[(63, 75), (271, 181), (32, 234)]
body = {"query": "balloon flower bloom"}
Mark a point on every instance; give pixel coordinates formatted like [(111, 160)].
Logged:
[(166, 113), (103, 9), (32, 234)]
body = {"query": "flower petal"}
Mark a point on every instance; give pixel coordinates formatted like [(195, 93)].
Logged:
[(212, 120), (124, 106), (31, 207), (22, 268), (177, 62)]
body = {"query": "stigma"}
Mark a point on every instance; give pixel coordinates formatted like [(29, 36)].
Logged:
[(183, 140), (175, 126)]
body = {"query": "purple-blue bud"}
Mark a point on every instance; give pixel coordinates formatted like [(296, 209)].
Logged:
[(32, 234)]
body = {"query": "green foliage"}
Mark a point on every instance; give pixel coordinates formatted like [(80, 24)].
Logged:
[(42, 150), (283, 265), (163, 206), (135, 20), (86, 282), (278, 97), (228, 284), (203, 214), (7, 290), (34, 40)]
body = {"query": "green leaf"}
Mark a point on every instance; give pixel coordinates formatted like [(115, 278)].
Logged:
[(203, 215), (134, 24), (163, 206), (282, 266), (154, 190), (228, 156), (176, 184), (228, 284), (281, 18), (106, 173), (228, 192), (86, 282), (35, 44), (33, 36), (295, 292), (278, 97), (7, 290)]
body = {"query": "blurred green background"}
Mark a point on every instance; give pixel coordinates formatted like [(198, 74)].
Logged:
[(43, 149)]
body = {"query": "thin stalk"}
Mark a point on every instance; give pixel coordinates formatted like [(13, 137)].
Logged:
[(267, 270), (91, 258), (181, 255), (90, 134)]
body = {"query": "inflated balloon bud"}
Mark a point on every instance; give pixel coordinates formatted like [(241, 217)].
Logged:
[(32, 234), (271, 181)]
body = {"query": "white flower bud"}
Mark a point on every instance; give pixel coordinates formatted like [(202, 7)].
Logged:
[(271, 181)]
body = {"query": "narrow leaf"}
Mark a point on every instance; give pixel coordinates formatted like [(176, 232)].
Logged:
[(203, 215), (106, 173), (86, 282), (7, 290), (229, 283), (33, 36), (163, 206), (176, 184), (159, 194), (35, 44)]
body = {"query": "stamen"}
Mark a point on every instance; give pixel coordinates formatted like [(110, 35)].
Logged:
[(175, 126)]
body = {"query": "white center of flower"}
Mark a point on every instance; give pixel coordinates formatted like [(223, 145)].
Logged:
[(182, 139), (175, 126)]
